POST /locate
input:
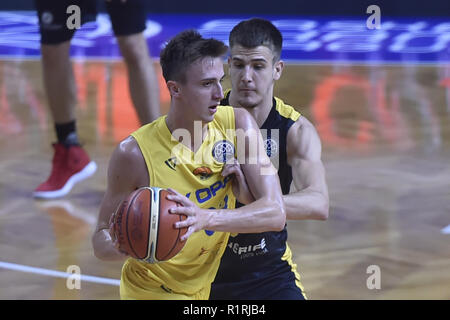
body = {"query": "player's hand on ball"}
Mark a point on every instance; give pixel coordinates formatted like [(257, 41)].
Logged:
[(196, 217), (240, 187)]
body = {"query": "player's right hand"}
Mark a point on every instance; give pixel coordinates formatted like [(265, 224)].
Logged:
[(197, 218), (114, 240)]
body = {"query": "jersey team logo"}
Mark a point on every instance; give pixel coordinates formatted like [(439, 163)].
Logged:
[(203, 172), (248, 250), (223, 151), (171, 163), (271, 147)]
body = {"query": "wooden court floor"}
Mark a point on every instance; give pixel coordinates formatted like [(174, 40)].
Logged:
[(385, 131)]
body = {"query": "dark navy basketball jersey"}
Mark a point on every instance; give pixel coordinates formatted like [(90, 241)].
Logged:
[(259, 265)]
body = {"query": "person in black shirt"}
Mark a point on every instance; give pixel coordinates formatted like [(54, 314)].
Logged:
[(259, 266)]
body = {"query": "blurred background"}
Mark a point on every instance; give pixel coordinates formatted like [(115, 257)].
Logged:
[(413, 8)]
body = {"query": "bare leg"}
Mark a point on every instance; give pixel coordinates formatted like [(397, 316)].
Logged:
[(71, 164), (142, 80), (59, 81)]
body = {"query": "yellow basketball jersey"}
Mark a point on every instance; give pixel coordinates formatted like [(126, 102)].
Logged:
[(198, 176)]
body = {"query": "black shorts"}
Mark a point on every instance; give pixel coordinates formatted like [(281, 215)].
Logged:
[(280, 287), (126, 18)]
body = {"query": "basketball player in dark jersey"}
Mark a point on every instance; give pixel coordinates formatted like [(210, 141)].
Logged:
[(259, 265)]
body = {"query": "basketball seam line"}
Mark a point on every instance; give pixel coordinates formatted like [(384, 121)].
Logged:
[(157, 230), (153, 235), (150, 221)]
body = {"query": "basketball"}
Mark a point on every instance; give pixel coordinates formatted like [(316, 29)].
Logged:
[(144, 228)]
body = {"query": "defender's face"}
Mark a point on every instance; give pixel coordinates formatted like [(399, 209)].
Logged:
[(252, 74), (202, 90)]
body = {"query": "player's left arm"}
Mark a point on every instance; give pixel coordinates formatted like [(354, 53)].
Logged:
[(309, 199), (266, 213)]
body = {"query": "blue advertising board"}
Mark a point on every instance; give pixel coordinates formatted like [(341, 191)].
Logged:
[(306, 39)]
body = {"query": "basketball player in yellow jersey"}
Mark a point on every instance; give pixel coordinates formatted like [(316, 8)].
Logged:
[(162, 154)]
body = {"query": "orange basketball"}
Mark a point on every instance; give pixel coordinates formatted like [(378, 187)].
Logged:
[(144, 227)]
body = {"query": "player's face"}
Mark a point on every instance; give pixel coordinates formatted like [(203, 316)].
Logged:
[(252, 74), (202, 90)]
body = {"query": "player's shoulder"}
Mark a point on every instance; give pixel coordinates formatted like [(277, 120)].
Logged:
[(127, 150), (127, 166), (149, 128), (244, 120), (286, 110), (225, 117), (301, 127), (302, 123), (299, 121), (223, 110), (303, 140), (296, 121), (302, 136)]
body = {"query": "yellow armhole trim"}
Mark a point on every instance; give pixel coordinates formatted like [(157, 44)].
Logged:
[(286, 111)]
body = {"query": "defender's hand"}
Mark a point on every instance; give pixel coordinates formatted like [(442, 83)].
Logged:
[(240, 187)]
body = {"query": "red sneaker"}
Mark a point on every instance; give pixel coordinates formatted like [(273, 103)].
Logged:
[(70, 165)]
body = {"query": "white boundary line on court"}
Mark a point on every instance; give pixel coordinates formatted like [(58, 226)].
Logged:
[(57, 274)]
